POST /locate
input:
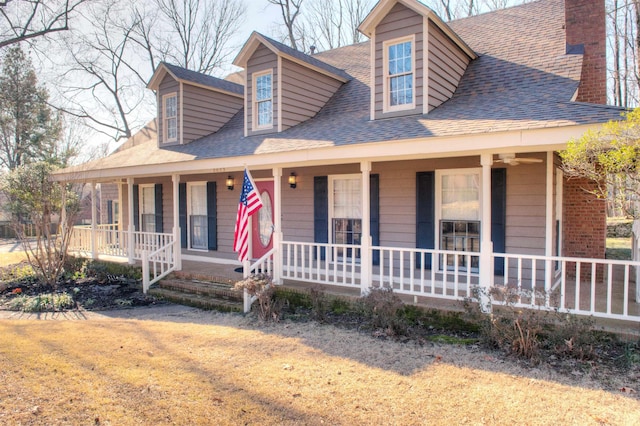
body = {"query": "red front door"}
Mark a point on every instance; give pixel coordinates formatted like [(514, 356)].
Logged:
[(262, 221)]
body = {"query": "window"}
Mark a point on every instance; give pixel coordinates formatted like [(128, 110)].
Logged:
[(148, 208), (198, 227), (263, 105), (346, 212), (459, 224), (170, 117), (399, 76)]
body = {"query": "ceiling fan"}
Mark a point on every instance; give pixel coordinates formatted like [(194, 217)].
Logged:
[(512, 160)]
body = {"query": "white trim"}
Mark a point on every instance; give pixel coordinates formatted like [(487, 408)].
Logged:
[(181, 109), (190, 185), (246, 105), (386, 86), (254, 102), (372, 78), (559, 207), (330, 190), (165, 138), (210, 260), (279, 93), (425, 66), (141, 188), (548, 244)]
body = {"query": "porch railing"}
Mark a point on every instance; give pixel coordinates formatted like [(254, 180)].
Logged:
[(158, 264)]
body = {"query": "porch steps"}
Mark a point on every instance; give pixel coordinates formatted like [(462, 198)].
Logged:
[(199, 294)]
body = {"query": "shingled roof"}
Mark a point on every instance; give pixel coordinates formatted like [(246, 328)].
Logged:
[(523, 79), (183, 74)]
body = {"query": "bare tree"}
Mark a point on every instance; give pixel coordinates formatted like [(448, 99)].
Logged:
[(335, 23), (27, 19), (290, 11)]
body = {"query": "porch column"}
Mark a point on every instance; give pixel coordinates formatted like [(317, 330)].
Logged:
[(486, 245), (175, 179), (62, 226), (94, 214), (548, 244), (277, 225), (120, 224), (365, 252), (130, 240)]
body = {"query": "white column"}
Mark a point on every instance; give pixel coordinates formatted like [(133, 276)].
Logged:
[(548, 244), (175, 179), (130, 226), (486, 245), (277, 224), (94, 214), (121, 233), (62, 226), (365, 252)]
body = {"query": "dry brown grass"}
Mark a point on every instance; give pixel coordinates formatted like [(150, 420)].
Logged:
[(205, 368), (7, 259)]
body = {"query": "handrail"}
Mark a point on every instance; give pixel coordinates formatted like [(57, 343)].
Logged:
[(259, 265), (165, 257)]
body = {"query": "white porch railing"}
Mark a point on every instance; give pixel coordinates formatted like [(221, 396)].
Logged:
[(158, 264), (265, 265)]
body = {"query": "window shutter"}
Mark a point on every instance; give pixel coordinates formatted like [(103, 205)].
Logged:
[(212, 216), (158, 208), (425, 213), (321, 211), (182, 212), (136, 208), (498, 215), (109, 211), (374, 212)]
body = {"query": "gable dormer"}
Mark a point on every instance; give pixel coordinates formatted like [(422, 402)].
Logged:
[(417, 60), (192, 105), (284, 87)]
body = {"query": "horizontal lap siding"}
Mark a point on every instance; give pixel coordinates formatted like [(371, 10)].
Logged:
[(304, 93), (167, 85), (526, 201), (447, 64), (206, 111), (399, 22), (262, 59)]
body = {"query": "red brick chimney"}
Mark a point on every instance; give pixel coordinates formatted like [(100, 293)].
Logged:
[(586, 33)]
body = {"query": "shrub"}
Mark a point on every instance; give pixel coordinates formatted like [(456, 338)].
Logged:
[(261, 286), (42, 302), (381, 306)]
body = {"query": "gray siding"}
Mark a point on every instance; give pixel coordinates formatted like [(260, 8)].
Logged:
[(399, 22), (262, 59), (447, 64), (206, 111), (167, 86), (304, 93)]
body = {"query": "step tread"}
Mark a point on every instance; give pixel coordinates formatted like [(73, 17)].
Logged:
[(197, 300), (215, 290)]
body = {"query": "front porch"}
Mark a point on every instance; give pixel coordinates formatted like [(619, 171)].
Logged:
[(604, 289)]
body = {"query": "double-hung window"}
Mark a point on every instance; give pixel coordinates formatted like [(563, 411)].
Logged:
[(399, 74), (198, 227), (170, 122), (263, 104), (148, 208), (346, 213), (460, 216)]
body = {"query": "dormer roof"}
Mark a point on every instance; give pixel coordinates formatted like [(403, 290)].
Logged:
[(382, 8), (282, 50), (194, 78)]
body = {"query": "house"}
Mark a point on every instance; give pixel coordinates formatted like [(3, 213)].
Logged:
[(424, 159)]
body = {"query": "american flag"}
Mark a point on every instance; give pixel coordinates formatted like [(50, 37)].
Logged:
[(250, 202)]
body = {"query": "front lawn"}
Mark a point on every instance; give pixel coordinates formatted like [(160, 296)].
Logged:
[(209, 368)]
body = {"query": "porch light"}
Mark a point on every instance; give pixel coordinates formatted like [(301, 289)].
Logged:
[(292, 180), (229, 182)]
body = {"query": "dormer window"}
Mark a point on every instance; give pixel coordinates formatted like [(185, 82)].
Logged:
[(170, 108), (399, 61), (263, 104)]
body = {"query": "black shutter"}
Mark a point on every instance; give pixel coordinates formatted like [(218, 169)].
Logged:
[(212, 216), (321, 211), (425, 213), (136, 208), (182, 212), (109, 211), (158, 208), (374, 212), (498, 215)]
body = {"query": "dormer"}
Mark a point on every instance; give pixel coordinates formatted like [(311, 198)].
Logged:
[(283, 87), (417, 60), (192, 105)]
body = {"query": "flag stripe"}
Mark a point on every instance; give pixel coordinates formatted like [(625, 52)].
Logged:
[(250, 203)]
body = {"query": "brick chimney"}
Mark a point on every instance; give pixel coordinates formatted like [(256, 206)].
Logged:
[(585, 25)]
